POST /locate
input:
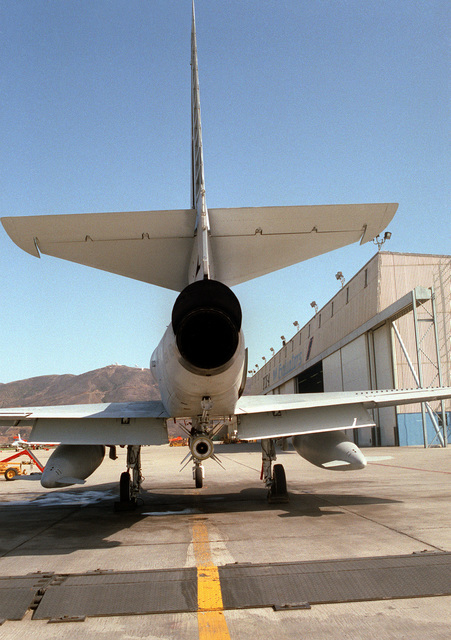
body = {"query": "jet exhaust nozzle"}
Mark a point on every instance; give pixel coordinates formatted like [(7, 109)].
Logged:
[(206, 320), (201, 447)]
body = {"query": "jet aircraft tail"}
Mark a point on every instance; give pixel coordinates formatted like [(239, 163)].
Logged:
[(175, 248)]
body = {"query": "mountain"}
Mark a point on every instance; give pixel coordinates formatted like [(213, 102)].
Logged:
[(113, 383)]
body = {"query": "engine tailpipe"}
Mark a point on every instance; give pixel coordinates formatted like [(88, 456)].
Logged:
[(206, 320), (330, 450)]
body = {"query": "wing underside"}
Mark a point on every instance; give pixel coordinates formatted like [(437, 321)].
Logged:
[(119, 423), (296, 414)]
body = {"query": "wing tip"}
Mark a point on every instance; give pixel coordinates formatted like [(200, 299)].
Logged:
[(22, 240), (373, 228)]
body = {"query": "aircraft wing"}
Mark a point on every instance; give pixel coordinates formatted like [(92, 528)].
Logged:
[(271, 416), (276, 416), (119, 423)]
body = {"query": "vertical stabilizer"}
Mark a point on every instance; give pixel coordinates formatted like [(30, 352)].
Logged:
[(201, 263), (197, 158)]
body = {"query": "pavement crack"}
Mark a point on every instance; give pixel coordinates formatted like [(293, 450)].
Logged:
[(381, 524), (38, 533)]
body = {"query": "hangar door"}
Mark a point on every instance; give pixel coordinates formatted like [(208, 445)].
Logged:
[(347, 369), (383, 374), (311, 380)]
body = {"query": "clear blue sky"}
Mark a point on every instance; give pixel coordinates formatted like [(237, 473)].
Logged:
[(303, 102)]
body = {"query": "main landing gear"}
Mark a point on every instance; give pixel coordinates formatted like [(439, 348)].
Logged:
[(273, 476), (130, 480)]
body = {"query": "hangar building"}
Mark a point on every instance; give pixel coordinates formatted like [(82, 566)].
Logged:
[(388, 327)]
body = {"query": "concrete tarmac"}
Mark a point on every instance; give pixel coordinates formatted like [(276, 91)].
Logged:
[(399, 504)]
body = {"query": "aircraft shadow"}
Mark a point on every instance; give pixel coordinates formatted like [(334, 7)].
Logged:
[(62, 521), (32, 477), (253, 499)]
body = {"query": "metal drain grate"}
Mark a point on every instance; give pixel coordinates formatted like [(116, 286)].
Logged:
[(122, 593), (283, 586), (335, 581), (20, 593)]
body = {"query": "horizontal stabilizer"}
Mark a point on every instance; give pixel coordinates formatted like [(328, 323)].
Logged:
[(151, 246), (156, 246), (251, 242)]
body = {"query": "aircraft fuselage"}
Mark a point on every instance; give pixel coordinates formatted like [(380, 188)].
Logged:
[(202, 353)]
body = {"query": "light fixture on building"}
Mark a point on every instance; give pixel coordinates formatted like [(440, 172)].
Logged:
[(296, 324), (251, 372), (283, 340), (257, 367), (272, 350), (264, 359), (314, 306), (340, 277), (380, 241)]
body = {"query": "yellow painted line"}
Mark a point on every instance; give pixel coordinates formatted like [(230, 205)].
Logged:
[(210, 615)]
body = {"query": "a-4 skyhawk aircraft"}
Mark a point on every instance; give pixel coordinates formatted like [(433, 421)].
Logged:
[(200, 364)]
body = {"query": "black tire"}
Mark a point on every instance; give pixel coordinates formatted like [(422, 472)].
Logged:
[(279, 481), (124, 487), (198, 478), (10, 473)]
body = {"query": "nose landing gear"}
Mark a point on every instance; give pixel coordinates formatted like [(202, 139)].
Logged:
[(201, 442), (201, 448), (198, 474)]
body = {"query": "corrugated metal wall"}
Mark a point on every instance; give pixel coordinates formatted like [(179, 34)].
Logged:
[(374, 359)]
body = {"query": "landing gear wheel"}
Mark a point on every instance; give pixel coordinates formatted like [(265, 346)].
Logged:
[(124, 487), (279, 480), (198, 478), (126, 500), (10, 474), (278, 490)]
